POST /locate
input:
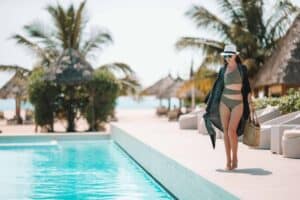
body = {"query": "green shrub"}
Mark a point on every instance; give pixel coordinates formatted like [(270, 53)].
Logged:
[(42, 96), (103, 91), (290, 102), (264, 102)]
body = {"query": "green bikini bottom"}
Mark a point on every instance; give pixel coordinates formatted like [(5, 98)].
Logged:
[(230, 103)]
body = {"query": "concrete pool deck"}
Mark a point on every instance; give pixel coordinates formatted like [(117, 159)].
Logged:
[(260, 175)]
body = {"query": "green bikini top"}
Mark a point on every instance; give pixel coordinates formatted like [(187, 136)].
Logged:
[(233, 77)]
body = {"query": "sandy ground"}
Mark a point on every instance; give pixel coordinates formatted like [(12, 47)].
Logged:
[(59, 126)]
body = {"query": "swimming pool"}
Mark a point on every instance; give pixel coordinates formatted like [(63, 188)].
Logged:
[(74, 170)]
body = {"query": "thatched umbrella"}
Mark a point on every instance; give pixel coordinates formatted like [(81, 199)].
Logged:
[(15, 88), (172, 90), (281, 70), (156, 87), (159, 87), (70, 69)]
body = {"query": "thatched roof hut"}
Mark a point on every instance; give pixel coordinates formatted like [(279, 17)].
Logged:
[(282, 69), (16, 86), (172, 90), (70, 68), (158, 87)]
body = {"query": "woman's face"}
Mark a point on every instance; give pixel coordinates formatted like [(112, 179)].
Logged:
[(230, 58)]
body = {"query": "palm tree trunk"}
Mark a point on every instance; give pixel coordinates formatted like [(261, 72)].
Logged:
[(180, 103), (193, 96), (70, 111), (93, 125), (18, 109), (70, 118)]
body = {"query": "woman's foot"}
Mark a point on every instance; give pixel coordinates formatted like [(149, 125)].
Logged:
[(234, 164), (228, 167)]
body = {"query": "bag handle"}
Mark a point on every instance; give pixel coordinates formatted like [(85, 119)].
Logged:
[(255, 118)]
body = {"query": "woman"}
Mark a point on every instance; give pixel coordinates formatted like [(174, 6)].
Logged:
[(227, 105)]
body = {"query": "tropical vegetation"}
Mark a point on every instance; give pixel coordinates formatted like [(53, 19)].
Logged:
[(51, 44), (286, 104), (246, 23)]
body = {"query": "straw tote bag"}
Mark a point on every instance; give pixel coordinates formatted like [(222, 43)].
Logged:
[(252, 131)]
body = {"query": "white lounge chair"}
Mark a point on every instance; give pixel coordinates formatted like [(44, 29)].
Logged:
[(190, 120), (265, 137), (291, 143), (277, 132), (268, 113)]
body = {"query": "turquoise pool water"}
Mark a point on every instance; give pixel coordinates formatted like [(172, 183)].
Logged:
[(74, 170)]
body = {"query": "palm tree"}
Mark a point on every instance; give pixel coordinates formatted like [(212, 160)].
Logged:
[(48, 42), (246, 25), (66, 32)]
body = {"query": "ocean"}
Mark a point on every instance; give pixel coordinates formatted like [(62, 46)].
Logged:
[(148, 102)]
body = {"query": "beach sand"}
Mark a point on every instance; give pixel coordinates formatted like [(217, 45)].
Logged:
[(28, 129)]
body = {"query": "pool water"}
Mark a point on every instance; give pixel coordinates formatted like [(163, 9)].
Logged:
[(74, 170)]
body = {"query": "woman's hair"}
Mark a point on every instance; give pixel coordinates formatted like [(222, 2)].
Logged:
[(238, 59)]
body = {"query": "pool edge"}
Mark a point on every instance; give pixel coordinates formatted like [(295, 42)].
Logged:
[(180, 181)]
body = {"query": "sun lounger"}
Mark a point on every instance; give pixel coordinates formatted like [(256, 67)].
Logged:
[(2, 115), (161, 111), (291, 143), (277, 132), (265, 137), (28, 117), (173, 115), (189, 121), (268, 113)]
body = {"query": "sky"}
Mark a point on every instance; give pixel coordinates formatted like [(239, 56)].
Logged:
[(144, 33)]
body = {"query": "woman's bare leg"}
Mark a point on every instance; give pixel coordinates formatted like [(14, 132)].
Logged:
[(225, 117), (235, 118)]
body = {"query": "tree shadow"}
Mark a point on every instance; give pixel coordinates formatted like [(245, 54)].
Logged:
[(250, 171)]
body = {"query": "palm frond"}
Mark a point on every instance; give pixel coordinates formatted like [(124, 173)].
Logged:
[(253, 13), (129, 86), (79, 24), (70, 18), (38, 30), (46, 54), (60, 20), (278, 23), (118, 68), (205, 44), (97, 41), (30, 45), (212, 59), (232, 10), (205, 19)]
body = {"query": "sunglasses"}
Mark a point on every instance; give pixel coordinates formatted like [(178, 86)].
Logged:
[(227, 56)]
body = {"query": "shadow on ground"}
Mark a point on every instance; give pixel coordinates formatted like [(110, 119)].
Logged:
[(250, 171)]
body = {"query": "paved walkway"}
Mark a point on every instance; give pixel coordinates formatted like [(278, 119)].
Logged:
[(261, 174)]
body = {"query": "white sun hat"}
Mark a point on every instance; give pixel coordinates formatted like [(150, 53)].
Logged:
[(230, 49)]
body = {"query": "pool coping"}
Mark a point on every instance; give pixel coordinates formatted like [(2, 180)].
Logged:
[(180, 181), (12, 138), (145, 170)]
